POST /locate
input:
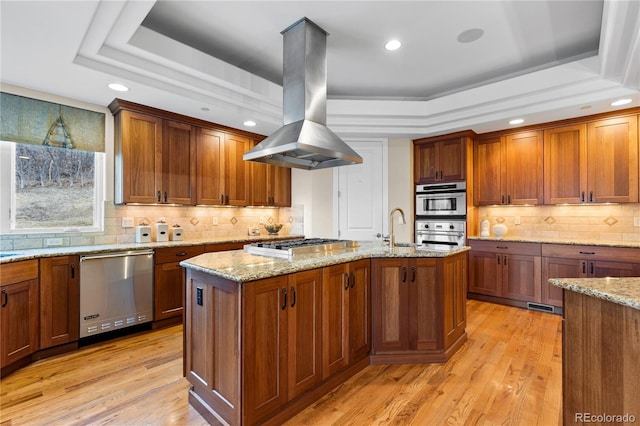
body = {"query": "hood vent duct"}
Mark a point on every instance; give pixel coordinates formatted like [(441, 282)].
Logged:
[(304, 141)]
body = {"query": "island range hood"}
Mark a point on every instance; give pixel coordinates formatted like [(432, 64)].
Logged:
[(304, 142)]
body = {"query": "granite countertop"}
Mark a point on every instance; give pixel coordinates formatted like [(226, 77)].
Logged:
[(549, 240), (623, 291), (242, 267), (17, 255)]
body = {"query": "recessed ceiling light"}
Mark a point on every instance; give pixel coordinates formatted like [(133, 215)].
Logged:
[(517, 121), (585, 107), (393, 45), (249, 123), (471, 35), (118, 87), (205, 109), (621, 102)]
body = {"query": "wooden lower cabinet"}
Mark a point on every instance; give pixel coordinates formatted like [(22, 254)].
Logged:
[(18, 311), (419, 308), (59, 300)]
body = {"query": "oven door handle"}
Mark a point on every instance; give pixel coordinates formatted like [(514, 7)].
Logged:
[(436, 233), (447, 243)]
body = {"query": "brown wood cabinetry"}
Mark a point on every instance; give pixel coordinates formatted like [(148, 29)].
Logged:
[(565, 164), (271, 185), (440, 160), (510, 270), (418, 308), (168, 288), (575, 261), (223, 177), (18, 311), (508, 169), (59, 300)]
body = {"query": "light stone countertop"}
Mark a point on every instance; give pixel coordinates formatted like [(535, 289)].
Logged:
[(18, 255), (548, 240), (623, 291), (242, 267)]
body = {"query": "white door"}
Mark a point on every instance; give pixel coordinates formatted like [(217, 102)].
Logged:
[(362, 192)]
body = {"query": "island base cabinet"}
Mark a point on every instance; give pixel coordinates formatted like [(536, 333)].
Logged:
[(600, 368)]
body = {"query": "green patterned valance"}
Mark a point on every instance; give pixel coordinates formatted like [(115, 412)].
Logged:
[(27, 120)]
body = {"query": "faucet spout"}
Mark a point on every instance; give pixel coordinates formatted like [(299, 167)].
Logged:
[(392, 236)]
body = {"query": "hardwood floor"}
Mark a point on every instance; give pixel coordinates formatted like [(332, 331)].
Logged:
[(509, 372)]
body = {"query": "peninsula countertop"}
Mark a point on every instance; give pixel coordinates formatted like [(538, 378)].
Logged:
[(238, 266), (623, 291)]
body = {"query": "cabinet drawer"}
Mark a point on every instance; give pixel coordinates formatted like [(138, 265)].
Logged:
[(619, 254), (507, 247), (208, 248), (177, 254), (18, 271)]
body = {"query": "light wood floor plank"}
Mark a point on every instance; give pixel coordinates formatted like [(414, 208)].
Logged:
[(508, 372)]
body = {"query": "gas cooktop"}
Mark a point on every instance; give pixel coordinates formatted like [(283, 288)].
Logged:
[(289, 248)]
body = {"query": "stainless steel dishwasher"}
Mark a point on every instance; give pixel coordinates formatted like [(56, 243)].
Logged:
[(116, 291)]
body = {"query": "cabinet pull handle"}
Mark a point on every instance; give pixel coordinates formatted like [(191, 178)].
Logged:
[(284, 299), (293, 296), (413, 274), (182, 253), (165, 196), (591, 268), (73, 270), (504, 260), (347, 280), (509, 199), (587, 252), (502, 199), (5, 298), (591, 196), (582, 197), (222, 199), (353, 280), (502, 247), (498, 259), (159, 195), (440, 174), (584, 267), (404, 274)]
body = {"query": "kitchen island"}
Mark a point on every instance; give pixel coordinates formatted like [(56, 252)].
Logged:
[(601, 350), (265, 337)]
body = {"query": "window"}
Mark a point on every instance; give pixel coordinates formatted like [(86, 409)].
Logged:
[(47, 189)]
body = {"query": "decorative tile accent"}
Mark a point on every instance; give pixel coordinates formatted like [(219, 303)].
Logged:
[(549, 220), (145, 221), (270, 220), (194, 221), (611, 221), (500, 219), (233, 220)]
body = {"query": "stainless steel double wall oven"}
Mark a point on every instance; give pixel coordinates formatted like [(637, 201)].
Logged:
[(441, 215)]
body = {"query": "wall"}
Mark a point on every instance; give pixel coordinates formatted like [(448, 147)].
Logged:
[(401, 188), (613, 222)]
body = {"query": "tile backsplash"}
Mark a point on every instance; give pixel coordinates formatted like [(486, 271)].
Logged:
[(197, 223), (610, 222)]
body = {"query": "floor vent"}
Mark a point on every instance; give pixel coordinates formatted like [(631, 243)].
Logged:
[(541, 307)]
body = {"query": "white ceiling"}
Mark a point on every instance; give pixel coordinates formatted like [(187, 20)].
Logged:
[(539, 60)]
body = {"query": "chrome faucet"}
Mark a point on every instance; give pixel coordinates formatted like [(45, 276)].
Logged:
[(392, 236)]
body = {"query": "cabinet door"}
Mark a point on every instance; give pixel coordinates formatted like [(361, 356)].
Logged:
[(280, 186), (558, 267), (304, 329), (19, 316), (565, 164), (359, 310), (236, 173), (602, 269), (390, 294), (139, 170), (454, 303), (179, 163), (259, 184), (208, 167), (488, 166), (521, 277), (422, 304), (452, 159), (426, 164), (335, 321), (168, 291), (485, 273), (59, 301), (524, 168), (265, 373), (612, 159)]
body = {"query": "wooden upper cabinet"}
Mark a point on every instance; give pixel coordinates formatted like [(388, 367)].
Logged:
[(508, 169), (612, 160), (138, 158), (209, 145), (440, 161), (565, 164), (178, 163), (270, 185), (236, 173)]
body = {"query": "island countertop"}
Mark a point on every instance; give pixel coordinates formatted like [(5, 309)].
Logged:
[(623, 291), (238, 266)]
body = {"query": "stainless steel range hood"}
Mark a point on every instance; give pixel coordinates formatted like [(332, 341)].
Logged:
[(304, 141)]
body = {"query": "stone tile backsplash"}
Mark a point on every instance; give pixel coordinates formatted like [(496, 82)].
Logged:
[(610, 222), (197, 222)]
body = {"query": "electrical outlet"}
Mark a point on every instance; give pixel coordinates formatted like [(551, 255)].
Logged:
[(636, 221), (215, 221), (127, 222), (54, 242), (517, 219), (262, 219)]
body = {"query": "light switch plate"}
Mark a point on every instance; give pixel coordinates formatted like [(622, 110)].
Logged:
[(127, 222), (517, 220), (215, 221)]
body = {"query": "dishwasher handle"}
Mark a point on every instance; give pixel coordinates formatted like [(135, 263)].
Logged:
[(119, 254)]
